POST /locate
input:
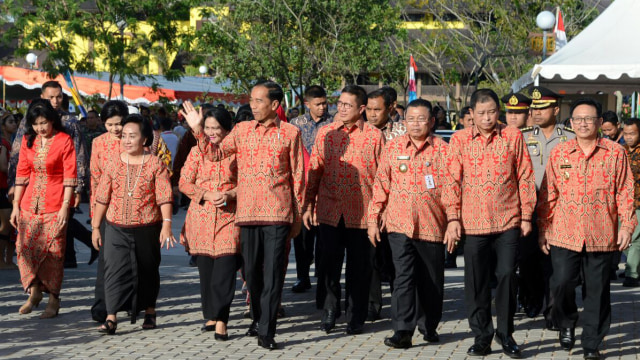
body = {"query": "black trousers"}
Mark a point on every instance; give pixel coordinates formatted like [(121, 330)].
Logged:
[(477, 290), (335, 242), (99, 307), (131, 268), (595, 268), (78, 231), (382, 270), (530, 262), (217, 285), (419, 270), (303, 246), (263, 249)]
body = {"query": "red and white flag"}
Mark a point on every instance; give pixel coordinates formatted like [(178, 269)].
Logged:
[(561, 35)]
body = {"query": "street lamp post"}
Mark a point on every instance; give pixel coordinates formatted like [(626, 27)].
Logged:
[(545, 21), (31, 59)]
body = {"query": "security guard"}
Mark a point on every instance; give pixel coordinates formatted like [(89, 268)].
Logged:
[(516, 106), (540, 138)]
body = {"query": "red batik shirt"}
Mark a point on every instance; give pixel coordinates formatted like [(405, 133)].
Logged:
[(270, 170), (583, 197), (46, 171), (490, 182), (103, 147), (408, 187), (152, 190), (209, 230), (341, 173)]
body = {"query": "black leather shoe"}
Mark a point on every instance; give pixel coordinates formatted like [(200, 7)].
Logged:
[(301, 286), (354, 329), (432, 336), (533, 311), (509, 346), (549, 325), (253, 329), (399, 340), (373, 316), (267, 342), (328, 321), (479, 350), (591, 354), (567, 338), (206, 328), (221, 337)]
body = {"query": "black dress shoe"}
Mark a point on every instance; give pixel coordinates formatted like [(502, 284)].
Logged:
[(550, 325), (353, 329), (253, 329), (206, 328), (591, 354), (301, 286), (533, 311), (567, 338), (221, 337), (267, 342), (399, 340), (509, 346), (432, 336), (479, 350), (328, 321), (373, 316)]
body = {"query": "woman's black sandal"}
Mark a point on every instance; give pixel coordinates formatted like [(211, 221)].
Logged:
[(149, 322), (109, 327)]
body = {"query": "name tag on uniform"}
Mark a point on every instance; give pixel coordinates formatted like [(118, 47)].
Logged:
[(565, 166), (428, 179), (404, 157)]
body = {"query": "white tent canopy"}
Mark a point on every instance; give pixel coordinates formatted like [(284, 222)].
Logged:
[(605, 51)]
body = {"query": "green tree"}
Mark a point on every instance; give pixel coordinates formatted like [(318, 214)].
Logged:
[(111, 29), (491, 48), (299, 42)]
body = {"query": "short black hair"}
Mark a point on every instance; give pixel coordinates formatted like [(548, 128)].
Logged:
[(41, 108), (222, 116), (465, 111), (114, 108), (275, 91), (380, 93), (358, 91), (166, 123), (399, 107), (244, 114), (93, 111), (610, 116), (421, 103), (391, 92), (587, 101), (633, 121), (314, 92), (483, 96), (51, 84), (145, 127)]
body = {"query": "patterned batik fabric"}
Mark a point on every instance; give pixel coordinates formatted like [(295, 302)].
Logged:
[(270, 170), (209, 230), (583, 198), (104, 147), (72, 128), (341, 173), (159, 148), (40, 248), (490, 182), (393, 129), (136, 203), (634, 162), (408, 188), (309, 128), (45, 170)]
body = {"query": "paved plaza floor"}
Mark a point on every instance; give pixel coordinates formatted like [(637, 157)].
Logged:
[(73, 335)]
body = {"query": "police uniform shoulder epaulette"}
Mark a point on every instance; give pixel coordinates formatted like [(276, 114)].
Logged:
[(565, 128), (525, 129)]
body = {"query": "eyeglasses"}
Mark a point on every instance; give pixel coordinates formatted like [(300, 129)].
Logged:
[(345, 105), (418, 120), (587, 120)]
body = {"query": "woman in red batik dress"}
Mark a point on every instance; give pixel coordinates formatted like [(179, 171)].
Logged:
[(104, 147), (45, 179), (135, 194), (209, 230)]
